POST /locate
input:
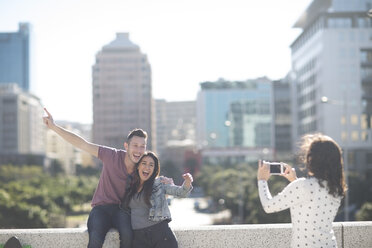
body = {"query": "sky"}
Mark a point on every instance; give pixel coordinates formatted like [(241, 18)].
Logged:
[(187, 42)]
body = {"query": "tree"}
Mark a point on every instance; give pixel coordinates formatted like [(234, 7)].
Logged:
[(238, 183), (32, 199), (56, 168), (365, 212)]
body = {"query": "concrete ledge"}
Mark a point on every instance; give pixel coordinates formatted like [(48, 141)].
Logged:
[(348, 235), (357, 234)]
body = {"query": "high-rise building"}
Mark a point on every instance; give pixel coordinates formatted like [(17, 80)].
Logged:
[(235, 120), (122, 98), (21, 128), (15, 57), (332, 87)]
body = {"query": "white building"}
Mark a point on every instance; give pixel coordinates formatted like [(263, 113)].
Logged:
[(332, 60)]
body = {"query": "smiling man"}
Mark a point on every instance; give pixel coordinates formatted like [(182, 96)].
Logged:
[(118, 166)]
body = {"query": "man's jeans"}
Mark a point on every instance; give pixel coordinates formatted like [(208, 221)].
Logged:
[(104, 217)]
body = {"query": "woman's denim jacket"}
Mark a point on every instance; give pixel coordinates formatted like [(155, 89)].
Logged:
[(159, 206)]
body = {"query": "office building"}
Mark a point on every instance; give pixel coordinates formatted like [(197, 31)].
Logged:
[(332, 68), (122, 98), (21, 129), (235, 120), (15, 57)]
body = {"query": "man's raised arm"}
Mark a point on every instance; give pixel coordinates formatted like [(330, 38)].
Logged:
[(70, 137)]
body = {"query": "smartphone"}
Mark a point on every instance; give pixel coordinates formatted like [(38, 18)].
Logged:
[(276, 168)]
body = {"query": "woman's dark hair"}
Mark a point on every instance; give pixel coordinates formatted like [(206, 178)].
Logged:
[(147, 186), (323, 159)]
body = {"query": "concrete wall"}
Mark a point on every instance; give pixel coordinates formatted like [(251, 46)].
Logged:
[(348, 235)]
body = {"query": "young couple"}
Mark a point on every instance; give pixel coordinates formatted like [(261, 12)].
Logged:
[(130, 195)]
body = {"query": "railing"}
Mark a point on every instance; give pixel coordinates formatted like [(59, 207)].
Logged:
[(348, 235)]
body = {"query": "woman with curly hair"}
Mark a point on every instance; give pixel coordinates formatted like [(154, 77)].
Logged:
[(313, 201)]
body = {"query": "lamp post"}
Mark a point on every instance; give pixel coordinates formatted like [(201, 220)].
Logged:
[(325, 99)]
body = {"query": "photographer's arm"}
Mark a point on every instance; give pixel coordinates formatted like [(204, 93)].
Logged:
[(285, 199), (70, 137)]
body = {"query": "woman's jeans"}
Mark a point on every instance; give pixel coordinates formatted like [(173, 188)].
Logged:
[(156, 236), (104, 217)]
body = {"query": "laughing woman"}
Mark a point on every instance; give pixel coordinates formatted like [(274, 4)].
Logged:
[(146, 200)]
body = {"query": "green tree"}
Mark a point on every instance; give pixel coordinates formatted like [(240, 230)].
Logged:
[(238, 183), (365, 212), (56, 168), (32, 199)]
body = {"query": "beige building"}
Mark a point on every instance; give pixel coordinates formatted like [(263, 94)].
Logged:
[(175, 121), (65, 153), (21, 128), (122, 98)]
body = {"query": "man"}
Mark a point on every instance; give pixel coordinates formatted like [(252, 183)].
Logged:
[(118, 165)]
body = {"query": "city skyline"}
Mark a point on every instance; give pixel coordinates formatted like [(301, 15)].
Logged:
[(186, 43)]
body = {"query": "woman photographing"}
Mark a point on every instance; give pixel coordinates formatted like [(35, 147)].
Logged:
[(313, 201)]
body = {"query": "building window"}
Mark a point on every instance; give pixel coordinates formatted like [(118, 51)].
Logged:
[(355, 136), (366, 56), (364, 122), (344, 136), (343, 120), (354, 120), (369, 158), (364, 136), (364, 22), (339, 22)]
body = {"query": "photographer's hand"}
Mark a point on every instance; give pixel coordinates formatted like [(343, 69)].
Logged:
[(289, 173), (263, 172)]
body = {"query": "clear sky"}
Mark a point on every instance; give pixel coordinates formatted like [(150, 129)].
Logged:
[(187, 42)]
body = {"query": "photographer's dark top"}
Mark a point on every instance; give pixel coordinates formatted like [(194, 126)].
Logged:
[(312, 208), (114, 177)]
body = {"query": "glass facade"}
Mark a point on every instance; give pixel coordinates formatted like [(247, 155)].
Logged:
[(238, 116), (14, 57)]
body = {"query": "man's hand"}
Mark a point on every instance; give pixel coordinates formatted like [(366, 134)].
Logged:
[(48, 120)]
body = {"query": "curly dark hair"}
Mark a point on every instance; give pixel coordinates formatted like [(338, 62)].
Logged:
[(322, 157), (147, 186)]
